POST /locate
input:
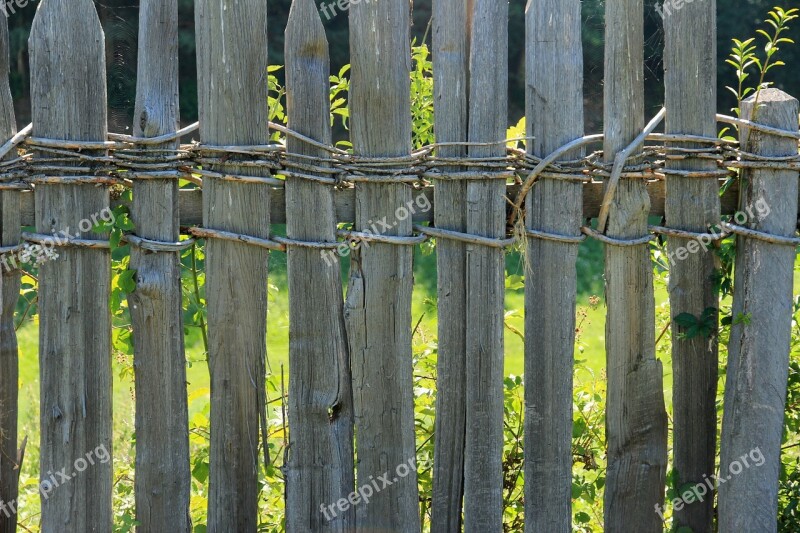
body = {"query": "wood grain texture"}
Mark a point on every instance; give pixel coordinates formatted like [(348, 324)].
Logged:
[(758, 350), (68, 100), (320, 469), (10, 229), (163, 477), (485, 203), (690, 66), (554, 110), (378, 304), (636, 419), (451, 85), (232, 100)]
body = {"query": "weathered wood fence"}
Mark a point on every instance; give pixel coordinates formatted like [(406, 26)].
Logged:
[(350, 385)]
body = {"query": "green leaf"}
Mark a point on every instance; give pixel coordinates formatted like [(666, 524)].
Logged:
[(127, 281)]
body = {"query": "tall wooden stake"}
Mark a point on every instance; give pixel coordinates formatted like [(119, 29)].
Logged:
[(758, 350), (486, 215), (690, 65), (636, 420), (320, 469), (451, 85), (163, 478), (554, 105), (68, 67), (10, 230), (378, 306), (232, 99)]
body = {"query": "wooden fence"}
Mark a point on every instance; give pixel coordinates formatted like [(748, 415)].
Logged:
[(350, 382)]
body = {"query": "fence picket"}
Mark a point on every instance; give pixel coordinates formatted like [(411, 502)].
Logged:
[(10, 231), (163, 478), (378, 304), (554, 106), (450, 72), (232, 100), (692, 204), (68, 66), (486, 216), (758, 350), (636, 419), (320, 468)]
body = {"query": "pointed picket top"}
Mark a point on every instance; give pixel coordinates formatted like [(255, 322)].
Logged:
[(8, 126), (68, 72), (305, 32)]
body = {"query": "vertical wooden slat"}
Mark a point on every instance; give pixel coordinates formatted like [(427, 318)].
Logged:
[(758, 351), (485, 205), (319, 469), (554, 107), (636, 421), (68, 100), (451, 89), (378, 305), (163, 479), (232, 100), (10, 225), (690, 66)]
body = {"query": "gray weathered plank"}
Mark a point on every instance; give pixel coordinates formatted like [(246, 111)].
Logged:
[(378, 304), (163, 478), (485, 273), (68, 100), (450, 74), (10, 229), (232, 101), (690, 66), (758, 350), (319, 469), (636, 420), (554, 108)]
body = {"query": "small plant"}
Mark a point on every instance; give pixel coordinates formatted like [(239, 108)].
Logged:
[(743, 56)]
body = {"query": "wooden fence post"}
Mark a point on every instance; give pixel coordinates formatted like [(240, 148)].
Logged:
[(163, 478), (486, 216), (636, 420), (320, 469), (232, 100), (378, 305), (692, 204), (10, 231), (68, 100), (554, 108), (451, 68), (758, 350)]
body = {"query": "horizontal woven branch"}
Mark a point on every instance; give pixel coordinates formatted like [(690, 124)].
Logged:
[(122, 159)]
